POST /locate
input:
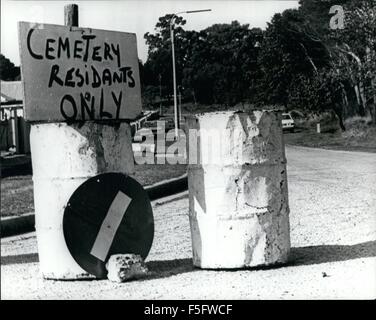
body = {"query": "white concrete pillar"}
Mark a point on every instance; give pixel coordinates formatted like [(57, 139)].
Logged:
[(63, 157), (238, 197)]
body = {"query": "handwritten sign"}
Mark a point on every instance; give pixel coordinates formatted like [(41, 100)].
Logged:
[(78, 74)]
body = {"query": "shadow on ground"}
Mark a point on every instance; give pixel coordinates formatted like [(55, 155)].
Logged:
[(22, 258), (331, 253), (299, 257), (168, 268), (16, 170)]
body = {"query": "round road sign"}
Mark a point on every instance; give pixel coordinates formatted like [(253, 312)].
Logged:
[(108, 214)]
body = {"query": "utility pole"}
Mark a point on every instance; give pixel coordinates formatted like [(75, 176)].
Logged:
[(172, 22), (160, 95)]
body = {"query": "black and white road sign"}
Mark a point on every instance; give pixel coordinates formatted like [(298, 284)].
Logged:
[(108, 214)]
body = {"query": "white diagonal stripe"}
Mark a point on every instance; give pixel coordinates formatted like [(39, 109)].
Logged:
[(110, 225)]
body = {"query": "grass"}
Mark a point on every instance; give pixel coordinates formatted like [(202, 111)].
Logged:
[(16, 195), (148, 174), (359, 136), (17, 191)]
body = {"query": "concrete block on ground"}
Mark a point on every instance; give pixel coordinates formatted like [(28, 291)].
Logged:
[(124, 267)]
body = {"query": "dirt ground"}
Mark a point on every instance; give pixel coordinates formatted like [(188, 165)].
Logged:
[(333, 236)]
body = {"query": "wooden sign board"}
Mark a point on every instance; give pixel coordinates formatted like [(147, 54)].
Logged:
[(75, 74)]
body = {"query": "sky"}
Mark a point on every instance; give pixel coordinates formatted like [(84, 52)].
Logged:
[(133, 16)]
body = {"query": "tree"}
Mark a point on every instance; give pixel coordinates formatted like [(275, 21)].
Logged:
[(298, 61), (352, 50), (317, 13), (8, 71), (356, 53), (221, 62), (215, 65), (291, 49), (305, 63), (322, 92)]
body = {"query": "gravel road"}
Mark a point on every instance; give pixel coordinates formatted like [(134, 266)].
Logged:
[(332, 197)]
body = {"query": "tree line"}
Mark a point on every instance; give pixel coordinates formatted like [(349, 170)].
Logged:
[(299, 61)]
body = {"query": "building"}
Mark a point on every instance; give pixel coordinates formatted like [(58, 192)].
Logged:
[(14, 131)]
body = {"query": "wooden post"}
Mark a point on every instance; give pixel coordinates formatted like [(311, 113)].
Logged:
[(25, 132), (71, 15), (318, 128), (14, 126)]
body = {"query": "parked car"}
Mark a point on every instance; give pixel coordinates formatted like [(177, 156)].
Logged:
[(288, 122)]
